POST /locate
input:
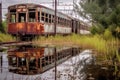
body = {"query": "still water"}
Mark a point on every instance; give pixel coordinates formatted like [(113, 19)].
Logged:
[(29, 62)]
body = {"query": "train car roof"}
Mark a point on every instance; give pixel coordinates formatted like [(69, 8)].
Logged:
[(32, 5)]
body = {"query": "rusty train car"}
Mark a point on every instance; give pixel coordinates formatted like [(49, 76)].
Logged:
[(32, 20)]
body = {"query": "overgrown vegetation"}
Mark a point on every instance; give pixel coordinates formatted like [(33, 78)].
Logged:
[(104, 44), (6, 38), (3, 27)]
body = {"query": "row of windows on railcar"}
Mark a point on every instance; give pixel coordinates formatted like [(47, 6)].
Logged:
[(45, 17)]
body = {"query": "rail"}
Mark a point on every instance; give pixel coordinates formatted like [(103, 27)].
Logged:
[(14, 43)]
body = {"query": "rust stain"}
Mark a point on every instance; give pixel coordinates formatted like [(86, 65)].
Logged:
[(39, 52)]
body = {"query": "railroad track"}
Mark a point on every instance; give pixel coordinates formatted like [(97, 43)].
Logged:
[(3, 44)]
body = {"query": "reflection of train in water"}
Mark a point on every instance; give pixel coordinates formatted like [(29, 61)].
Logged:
[(34, 60), (30, 20)]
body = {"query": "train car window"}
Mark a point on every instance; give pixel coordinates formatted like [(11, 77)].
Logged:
[(32, 15), (21, 17), (58, 20), (67, 22), (50, 59), (52, 18), (12, 16), (46, 17), (49, 18), (39, 16), (62, 21), (43, 16)]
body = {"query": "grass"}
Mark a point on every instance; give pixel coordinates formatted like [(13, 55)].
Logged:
[(105, 48), (6, 38)]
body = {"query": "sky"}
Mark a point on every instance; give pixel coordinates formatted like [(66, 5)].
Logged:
[(6, 3)]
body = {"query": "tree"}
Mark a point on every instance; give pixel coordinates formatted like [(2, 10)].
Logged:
[(104, 12), (3, 27)]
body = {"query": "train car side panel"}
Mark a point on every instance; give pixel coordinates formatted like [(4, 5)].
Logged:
[(12, 28), (34, 28), (48, 28), (21, 28)]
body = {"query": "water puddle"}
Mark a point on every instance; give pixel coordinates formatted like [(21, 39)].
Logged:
[(29, 62)]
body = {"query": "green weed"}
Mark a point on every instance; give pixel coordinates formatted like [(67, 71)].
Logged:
[(6, 38)]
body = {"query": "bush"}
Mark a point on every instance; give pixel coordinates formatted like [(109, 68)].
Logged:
[(97, 29), (107, 34), (3, 27)]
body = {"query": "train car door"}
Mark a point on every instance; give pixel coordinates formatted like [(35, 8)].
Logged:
[(21, 25)]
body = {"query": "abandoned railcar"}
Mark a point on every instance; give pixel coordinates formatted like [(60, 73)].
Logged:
[(32, 19), (29, 20)]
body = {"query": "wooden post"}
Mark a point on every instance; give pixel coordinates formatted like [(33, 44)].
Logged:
[(55, 64), (1, 59), (55, 22)]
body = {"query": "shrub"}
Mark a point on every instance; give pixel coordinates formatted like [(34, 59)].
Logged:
[(107, 34)]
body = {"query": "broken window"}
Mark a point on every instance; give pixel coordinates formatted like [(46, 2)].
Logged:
[(58, 20), (52, 18), (12, 16), (43, 16), (38, 16), (21, 17), (46, 17), (49, 18), (31, 15)]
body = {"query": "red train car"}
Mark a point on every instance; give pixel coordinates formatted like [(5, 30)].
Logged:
[(32, 19)]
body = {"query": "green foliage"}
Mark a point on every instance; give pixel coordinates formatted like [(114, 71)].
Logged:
[(103, 12), (107, 35), (3, 27), (96, 29)]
